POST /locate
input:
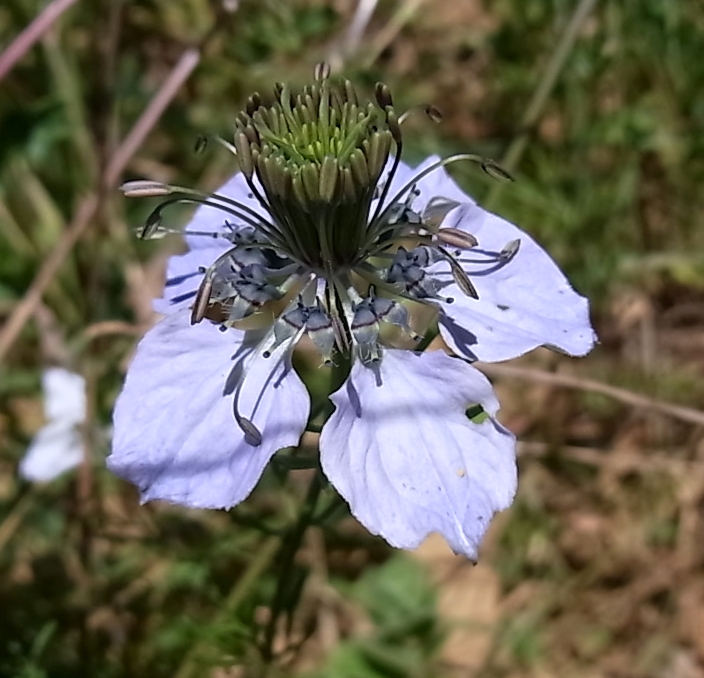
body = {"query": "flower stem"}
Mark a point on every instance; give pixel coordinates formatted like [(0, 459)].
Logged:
[(285, 558), (259, 563)]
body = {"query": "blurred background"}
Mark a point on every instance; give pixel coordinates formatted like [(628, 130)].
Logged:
[(597, 570)]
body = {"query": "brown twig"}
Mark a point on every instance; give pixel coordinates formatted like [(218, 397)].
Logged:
[(24, 41), (32, 298), (111, 327), (89, 205), (388, 34), (680, 412)]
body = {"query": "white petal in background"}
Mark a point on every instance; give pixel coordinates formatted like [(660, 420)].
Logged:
[(57, 447), (401, 451), (175, 434)]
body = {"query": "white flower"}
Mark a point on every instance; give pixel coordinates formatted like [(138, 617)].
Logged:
[(57, 446), (330, 237)]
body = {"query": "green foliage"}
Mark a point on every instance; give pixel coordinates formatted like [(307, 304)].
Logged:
[(91, 584), (399, 600)]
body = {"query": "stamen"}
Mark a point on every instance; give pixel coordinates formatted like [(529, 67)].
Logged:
[(432, 112), (436, 210), (456, 238), (145, 189), (510, 249), (484, 163)]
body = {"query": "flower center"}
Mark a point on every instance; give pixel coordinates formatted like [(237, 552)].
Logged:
[(333, 253), (318, 156)]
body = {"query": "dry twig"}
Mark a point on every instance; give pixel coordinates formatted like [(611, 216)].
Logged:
[(24, 41), (680, 412), (89, 205)]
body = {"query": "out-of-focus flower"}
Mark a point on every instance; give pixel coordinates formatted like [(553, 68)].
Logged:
[(57, 447), (329, 236)]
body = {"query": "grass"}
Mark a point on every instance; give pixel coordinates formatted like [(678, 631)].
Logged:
[(596, 562)]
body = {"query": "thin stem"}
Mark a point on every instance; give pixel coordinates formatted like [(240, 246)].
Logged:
[(257, 566), (26, 39), (287, 554), (88, 207), (680, 412)]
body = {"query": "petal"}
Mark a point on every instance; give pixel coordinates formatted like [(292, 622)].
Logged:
[(523, 304), (212, 219), (401, 451), (176, 437), (64, 396), (437, 183), (184, 273), (55, 449)]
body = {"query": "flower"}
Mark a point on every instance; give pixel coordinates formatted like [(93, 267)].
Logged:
[(57, 446), (326, 234)]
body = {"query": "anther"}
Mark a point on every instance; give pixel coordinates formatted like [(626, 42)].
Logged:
[(322, 71), (383, 95), (510, 249), (433, 113), (244, 154), (151, 225), (456, 238), (494, 170), (201, 144), (252, 435), (436, 210), (145, 189), (202, 300)]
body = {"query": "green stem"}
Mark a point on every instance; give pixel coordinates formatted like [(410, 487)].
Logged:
[(239, 592), (285, 559)]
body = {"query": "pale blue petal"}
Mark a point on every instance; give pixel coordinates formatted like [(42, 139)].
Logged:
[(175, 434), (523, 304), (184, 273), (401, 451), (437, 183), (211, 219)]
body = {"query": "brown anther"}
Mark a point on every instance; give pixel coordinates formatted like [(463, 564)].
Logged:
[(145, 189), (433, 113), (383, 95), (322, 71), (202, 300), (456, 238)]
